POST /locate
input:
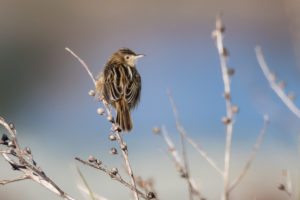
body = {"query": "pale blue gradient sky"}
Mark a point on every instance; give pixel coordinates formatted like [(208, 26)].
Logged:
[(44, 90)]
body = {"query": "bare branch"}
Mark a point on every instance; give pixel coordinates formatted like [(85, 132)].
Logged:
[(3, 182), (252, 155), (82, 63), (223, 53), (113, 176), (277, 89), (31, 171), (178, 163), (114, 125), (190, 140)]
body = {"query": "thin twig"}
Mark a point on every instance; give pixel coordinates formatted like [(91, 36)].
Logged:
[(3, 182), (190, 140), (227, 94), (86, 184), (119, 138), (83, 64), (178, 163), (184, 155), (252, 155), (277, 89), (113, 176), (31, 171)]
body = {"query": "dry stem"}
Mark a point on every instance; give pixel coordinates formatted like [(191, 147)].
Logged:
[(119, 138), (252, 155), (114, 177), (31, 171), (227, 94), (190, 140), (179, 166), (277, 89)]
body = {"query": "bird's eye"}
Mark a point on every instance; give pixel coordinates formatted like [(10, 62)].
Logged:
[(126, 57)]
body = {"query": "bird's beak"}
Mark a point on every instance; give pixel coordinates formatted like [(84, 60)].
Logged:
[(139, 56)]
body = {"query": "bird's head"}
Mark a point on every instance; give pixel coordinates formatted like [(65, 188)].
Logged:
[(126, 56)]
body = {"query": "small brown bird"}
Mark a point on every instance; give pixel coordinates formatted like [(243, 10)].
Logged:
[(120, 85)]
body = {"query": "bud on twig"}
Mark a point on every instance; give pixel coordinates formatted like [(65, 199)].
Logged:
[(98, 162), (92, 93), (112, 137), (100, 111), (27, 150), (291, 96), (230, 71), (150, 195), (114, 171), (282, 84), (113, 151), (110, 118), (235, 109), (91, 159), (226, 95), (156, 130), (225, 52), (273, 76), (226, 120), (281, 187), (123, 146)]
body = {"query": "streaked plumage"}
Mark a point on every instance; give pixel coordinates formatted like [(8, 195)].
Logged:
[(120, 85)]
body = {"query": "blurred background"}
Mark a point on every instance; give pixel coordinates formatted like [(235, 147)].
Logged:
[(44, 90)]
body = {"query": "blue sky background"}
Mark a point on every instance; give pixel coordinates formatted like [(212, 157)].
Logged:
[(44, 90)]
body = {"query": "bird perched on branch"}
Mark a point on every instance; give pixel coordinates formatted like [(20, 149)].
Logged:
[(120, 85)]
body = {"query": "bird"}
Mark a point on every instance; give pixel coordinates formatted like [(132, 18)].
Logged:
[(119, 84)]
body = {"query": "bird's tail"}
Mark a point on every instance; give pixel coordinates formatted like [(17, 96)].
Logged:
[(123, 115)]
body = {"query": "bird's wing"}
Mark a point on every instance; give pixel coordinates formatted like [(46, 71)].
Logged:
[(133, 90), (112, 90)]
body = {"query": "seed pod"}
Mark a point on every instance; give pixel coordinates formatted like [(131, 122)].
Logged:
[(114, 171), (282, 84), (291, 96), (113, 151), (281, 187), (230, 71), (156, 130), (235, 109), (110, 118), (150, 195), (27, 150), (226, 95), (226, 120), (91, 159), (98, 162), (123, 146), (92, 93), (112, 137), (100, 111), (225, 52)]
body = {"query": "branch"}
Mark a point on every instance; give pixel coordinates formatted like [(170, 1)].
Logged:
[(252, 155), (115, 128), (31, 171), (179, 166), (3, 182), (113, 175), (190, 140), (277, 89), (228, 120)]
